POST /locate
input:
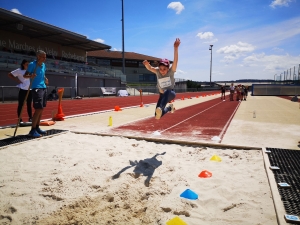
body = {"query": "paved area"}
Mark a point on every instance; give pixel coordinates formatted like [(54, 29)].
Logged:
[(276, 124)]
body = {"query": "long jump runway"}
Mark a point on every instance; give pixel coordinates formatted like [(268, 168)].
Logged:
[(88, 105), (205, 121)]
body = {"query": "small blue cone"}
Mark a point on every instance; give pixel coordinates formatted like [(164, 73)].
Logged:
[(189, 194)]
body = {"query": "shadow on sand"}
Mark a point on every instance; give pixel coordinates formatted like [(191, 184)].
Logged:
[(145, 167)]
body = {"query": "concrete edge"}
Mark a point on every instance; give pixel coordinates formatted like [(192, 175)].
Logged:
[(34, 139), (172, 141), (278, 205)]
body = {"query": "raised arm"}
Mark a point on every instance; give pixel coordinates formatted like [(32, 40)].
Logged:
[(175, 61), (149, 67)]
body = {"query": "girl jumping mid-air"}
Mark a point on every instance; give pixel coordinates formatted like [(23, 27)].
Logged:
[(165, 82)]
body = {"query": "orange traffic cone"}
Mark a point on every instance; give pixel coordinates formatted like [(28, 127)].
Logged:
[(205, 174), (117, 108), (60, 115)]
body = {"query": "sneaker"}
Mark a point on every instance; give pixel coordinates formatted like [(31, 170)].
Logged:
[(40, 131), (158, 113), (172, 108), (34, 133)]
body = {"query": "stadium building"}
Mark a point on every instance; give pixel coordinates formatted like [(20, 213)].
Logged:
[(74, 62), (134, 68)]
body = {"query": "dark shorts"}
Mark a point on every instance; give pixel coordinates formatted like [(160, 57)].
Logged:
[(39, 97)]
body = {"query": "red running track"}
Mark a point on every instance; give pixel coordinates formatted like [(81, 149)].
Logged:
[(8, 115), (197, 122)]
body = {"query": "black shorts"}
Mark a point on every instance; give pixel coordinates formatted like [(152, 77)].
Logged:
[(39, 97)]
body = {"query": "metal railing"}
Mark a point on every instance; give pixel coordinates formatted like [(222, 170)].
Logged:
[(288, 75), (10, 93), (13, 60)]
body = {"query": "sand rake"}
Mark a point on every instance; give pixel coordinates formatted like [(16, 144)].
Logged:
[(27, 93)]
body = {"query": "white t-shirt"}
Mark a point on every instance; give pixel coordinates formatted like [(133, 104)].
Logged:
[(25, 81), (165, 82)]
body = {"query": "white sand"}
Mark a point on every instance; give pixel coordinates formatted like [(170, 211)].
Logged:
[(67, 179)]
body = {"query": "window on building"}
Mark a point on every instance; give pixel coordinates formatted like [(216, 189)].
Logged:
[(147, 78)]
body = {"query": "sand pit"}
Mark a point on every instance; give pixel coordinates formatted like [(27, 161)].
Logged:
[(88, 179)]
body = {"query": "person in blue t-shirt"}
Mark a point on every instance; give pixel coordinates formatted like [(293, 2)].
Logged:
[(165, 82), (36, 72)]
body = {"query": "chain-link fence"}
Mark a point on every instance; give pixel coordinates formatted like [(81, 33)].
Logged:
[(10, 93)]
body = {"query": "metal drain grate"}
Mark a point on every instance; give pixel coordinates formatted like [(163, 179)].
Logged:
[(288, 162), (22, 138)]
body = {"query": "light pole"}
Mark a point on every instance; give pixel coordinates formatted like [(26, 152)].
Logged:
[(123, 58), (210, 63)]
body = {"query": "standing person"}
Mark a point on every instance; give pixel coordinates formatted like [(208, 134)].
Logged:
[(238, 93), (223, 92), (242, 92), (36, 71), (23, 84), (231, 88), (165, 82), (245, 92)]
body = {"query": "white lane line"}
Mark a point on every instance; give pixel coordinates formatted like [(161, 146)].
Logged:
[(190, 117), (227, 124)]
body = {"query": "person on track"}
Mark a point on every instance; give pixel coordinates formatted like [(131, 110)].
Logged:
[(245, 93), (23, 84), (238, 92), (231, 88), (165, 82), (223, 89)]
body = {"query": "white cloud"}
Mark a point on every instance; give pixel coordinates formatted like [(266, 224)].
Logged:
[(99, 40), (16, 11), (280, 3), (233, 52), (273, 63), (115, 49), (179, 72), (177, 6), (276, 49), (240, 47), (207, 36)]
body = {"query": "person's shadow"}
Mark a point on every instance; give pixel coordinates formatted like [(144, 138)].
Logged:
[(145, 167)]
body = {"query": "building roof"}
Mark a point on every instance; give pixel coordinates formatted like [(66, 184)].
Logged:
[(118, 55), (35, 29)]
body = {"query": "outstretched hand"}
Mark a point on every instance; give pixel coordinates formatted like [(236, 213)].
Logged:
[(177, 43), (145, 62)]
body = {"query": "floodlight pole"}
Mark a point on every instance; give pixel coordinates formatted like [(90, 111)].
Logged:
[(123, 51), (299, 73), (210, 64)]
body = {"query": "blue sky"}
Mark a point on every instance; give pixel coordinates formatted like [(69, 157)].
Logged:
[(253, 39)]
